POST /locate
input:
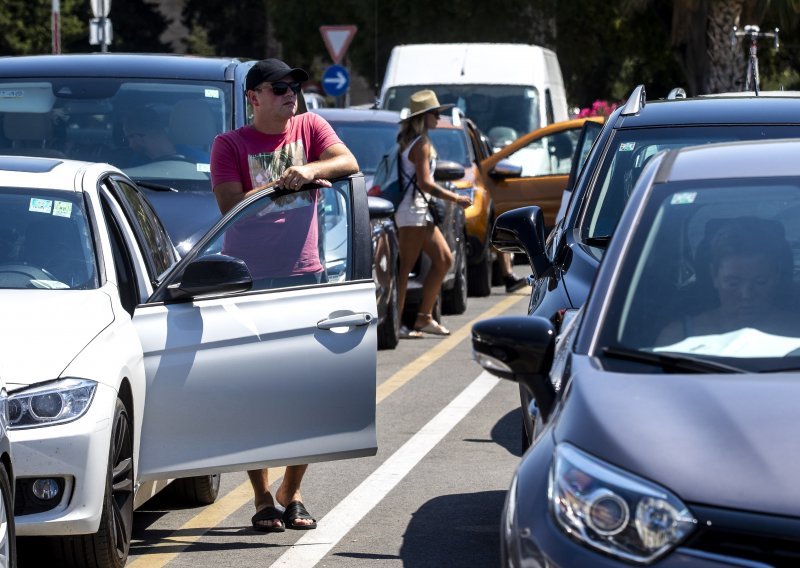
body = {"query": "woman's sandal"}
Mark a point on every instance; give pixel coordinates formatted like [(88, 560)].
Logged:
[(433, 327)]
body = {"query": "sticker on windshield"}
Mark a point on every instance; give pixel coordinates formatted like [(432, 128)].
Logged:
[(212, 94), (204, 168), (62, 209), (11, 93), (627, 147), (683, 198), (40, 205)]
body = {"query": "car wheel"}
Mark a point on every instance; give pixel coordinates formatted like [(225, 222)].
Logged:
[(199, 490), (454, 301), (389, 328), (108, 547), (8, 541), (479, 276)]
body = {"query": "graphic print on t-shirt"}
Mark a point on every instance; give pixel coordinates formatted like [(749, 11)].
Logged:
[(269, 166)]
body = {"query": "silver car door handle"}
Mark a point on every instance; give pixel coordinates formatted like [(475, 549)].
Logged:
[(350, 320)]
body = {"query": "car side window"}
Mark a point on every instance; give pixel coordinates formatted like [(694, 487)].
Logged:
[(157, 246), (123, 260), (290, 239), (548, 155)]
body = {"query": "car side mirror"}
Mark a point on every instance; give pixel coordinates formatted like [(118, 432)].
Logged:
[(212, 274), (522, 230), (505, 169), (519, 348), (379, 208), (448, 171)]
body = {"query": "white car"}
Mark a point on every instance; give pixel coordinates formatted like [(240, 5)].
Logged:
[(126, 365), (8, 544)]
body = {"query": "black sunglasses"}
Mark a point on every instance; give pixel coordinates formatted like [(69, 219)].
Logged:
[(280, 88)]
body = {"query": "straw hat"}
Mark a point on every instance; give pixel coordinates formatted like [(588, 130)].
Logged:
[(425, 101)]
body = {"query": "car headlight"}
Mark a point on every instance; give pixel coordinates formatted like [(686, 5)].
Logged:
[(52, 403), (613, 510)]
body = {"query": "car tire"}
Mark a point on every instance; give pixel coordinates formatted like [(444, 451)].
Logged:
[(454, 300), (108, 547), (389, 328), (199, 490), (8, 541), (479, 276)]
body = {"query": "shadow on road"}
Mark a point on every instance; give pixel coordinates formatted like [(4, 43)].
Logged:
[(455, 530), (507, 433)]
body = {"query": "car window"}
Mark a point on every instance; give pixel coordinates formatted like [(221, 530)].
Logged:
[(156, 246), (629, 150), (714, 272), (152, 129), (45, 241), (368, 141), (548, 155), (122, 258), (291, 239), (451, 144)]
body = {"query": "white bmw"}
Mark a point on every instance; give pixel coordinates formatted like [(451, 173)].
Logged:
[(126, 365)]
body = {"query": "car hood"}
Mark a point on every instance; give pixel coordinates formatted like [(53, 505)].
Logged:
[(42, 331), (720, 440)]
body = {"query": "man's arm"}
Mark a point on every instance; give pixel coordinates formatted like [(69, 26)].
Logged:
[(335, 161), (228, 194)]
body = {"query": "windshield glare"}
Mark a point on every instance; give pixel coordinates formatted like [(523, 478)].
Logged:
[(45, 241), (501, 111), (715, 272), (628, 152), (151, 129)]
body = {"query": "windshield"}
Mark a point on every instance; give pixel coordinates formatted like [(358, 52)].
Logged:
[(368, 141), (501, 111), (714, 272), (451, 144), (158, 130), (628, 152), (45, 241)]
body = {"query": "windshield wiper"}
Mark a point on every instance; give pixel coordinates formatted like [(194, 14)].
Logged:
[(675, 362), (598, 241), (154, 186)]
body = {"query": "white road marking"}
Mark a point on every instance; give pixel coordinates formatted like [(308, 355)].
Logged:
[(313, 546)]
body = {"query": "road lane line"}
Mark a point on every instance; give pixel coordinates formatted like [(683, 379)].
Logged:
[(445, 345), (313, 546), (214, 515)]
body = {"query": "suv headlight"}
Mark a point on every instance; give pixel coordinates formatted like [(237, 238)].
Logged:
[(52, 403), (613, 510)]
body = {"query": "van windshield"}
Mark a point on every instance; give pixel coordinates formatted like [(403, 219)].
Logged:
[(503, 112)]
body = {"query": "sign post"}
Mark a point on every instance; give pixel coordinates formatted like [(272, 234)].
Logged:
[(55, 27), (100, 27)]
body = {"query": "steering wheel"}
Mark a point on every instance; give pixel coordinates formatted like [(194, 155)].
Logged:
[(21, 275)]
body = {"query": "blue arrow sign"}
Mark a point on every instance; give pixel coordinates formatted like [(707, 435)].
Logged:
[(335, 80)]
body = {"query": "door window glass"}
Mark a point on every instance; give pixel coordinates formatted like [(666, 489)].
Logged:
[(548, 155), (289, 239)]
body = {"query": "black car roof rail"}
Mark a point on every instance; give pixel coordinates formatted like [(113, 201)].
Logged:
[(635, 102), (676, 93)]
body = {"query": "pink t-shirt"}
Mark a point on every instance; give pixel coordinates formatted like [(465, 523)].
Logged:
[(281, 241)]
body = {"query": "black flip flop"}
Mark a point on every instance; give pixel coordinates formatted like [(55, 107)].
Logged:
[(295, 510), (268, 514)]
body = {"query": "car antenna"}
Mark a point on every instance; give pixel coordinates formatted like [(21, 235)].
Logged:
[(676, 93), (635, 102)]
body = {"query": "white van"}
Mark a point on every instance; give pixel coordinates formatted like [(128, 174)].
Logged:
[(507, 89)]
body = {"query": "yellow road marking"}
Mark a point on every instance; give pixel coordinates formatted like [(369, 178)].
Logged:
[(216, 513)]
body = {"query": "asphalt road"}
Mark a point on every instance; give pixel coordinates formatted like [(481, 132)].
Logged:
[(448, 442)]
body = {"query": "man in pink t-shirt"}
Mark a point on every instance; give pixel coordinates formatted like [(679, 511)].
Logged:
[(292, 150)]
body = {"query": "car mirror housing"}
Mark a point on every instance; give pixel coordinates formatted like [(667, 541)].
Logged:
[(519, 348), (505, 169), (213, 274), (522, 230), (448, 171), (379, 208)]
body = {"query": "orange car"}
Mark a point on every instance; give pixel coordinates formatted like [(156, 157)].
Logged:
[(533, 169)]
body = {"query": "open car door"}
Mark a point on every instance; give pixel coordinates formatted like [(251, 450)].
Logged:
[(533, 170), (245, 369)]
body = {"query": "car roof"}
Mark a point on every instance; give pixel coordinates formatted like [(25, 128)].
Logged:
[(138, 65), (717, 110), (358, 115), (731, 160), (44, 173)]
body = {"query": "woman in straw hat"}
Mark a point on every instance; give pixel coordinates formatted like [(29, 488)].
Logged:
[(417, 231)]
